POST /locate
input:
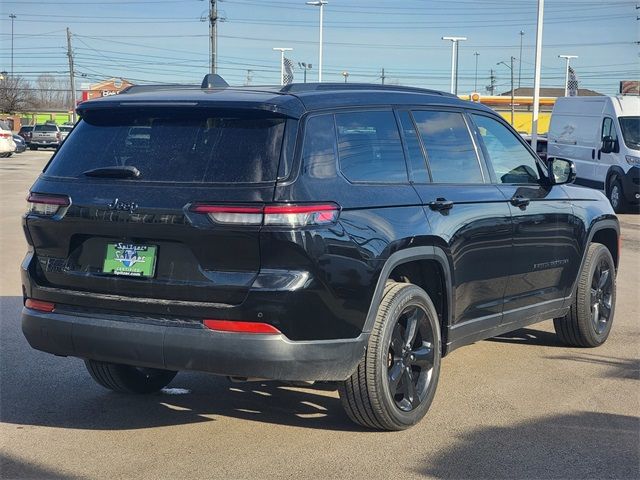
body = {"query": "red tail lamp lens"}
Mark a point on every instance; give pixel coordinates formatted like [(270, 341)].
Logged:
[(40, 305), (241, 327)]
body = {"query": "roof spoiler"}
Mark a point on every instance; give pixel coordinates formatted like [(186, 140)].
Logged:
[(213, 80)]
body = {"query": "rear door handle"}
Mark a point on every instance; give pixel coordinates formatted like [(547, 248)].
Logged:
[(520, 201), (441, 204)]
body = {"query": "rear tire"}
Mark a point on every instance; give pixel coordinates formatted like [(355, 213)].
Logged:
[(616, 196), (127, 378), (394, 384), (590, 318)]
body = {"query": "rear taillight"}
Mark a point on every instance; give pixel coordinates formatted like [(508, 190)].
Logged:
[(59, 136), (43, 204), (271, 215), (241, 327), (5, 135), (40, 305)]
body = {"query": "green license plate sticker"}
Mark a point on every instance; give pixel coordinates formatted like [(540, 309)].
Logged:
[(130, 260)]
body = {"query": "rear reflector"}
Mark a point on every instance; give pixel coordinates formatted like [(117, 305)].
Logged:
[(272, 215), (241, 327), (43, 204), (39, 305)]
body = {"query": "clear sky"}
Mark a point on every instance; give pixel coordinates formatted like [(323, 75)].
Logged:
[(154, 41)]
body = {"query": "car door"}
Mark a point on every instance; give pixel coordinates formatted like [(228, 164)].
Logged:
[(545, 254), (468, 215), (607, 160)]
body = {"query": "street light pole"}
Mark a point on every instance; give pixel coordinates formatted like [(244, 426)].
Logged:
[(475, 83), (520, 60), (282, 50), (536, 76), (454, 61), (345, 75), (321, 4), (510, 67), (12, 17), (566, 72)]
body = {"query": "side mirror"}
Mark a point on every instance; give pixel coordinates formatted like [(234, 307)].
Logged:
[(608, 145), (561, 171)]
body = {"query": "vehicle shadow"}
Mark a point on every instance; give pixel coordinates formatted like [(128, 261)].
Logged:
[(11, 467), (529, 336), (619, 367), (40, 389), (573, 446)]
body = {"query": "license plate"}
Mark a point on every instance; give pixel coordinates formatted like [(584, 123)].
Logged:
[(130, 260)]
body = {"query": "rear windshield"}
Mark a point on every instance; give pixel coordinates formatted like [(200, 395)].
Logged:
[(45, 128), (65, 128), (194, 146), (26, 129)]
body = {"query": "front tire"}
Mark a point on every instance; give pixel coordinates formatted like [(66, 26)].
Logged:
[(616, 196), (127, 378), (590, 318), (394, 384)]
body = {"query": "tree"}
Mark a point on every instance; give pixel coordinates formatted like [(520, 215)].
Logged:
[(51, 92), (15, 94)]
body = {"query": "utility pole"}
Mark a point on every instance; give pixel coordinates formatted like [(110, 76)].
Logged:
[(566, 73), (383, 77), (72, 76), (213, 36), (454, 61), (249, 77), (536, 76), (491, 88), (475, 84), (12, 17), (520, 60)]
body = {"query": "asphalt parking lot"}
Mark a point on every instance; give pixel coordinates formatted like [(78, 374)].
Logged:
[(518, 406)]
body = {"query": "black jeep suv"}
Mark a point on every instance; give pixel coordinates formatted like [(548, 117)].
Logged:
[(318, 232)]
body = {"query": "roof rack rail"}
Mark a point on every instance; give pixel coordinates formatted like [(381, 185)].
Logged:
[(151, 88), (314, 87)]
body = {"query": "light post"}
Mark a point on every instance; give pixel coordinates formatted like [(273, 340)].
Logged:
[(475, 83), (12, 17), (321, 4), (454, 61), (536, 76), (566, 73), (510, 67), (345, 75), (282, 50), (305, 66), (520, 60)]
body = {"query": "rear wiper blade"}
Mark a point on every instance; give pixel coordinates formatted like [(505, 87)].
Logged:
[(125, 171)]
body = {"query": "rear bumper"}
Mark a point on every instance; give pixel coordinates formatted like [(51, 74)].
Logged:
[(173, 346)]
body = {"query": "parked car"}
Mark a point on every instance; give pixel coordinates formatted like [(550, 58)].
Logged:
[(21, 145), (601, 135), (7, 145), (25, 132), (64, 131), (319, 232), (46, 135)]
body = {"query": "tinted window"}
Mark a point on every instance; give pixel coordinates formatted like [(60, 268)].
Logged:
[(46, 128), (179, 145), (631, 131), (319, 150), (414, 151), (369, 147), (65, 128), (452, 157), (511, 160)]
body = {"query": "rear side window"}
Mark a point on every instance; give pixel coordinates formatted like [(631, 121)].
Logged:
[(369, 147), (414, 150), (319, 151), (510, 159), (450, 151), (45, 128), (175, 145)]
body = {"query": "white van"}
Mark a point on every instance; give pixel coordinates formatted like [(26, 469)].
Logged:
[(602, 137)]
